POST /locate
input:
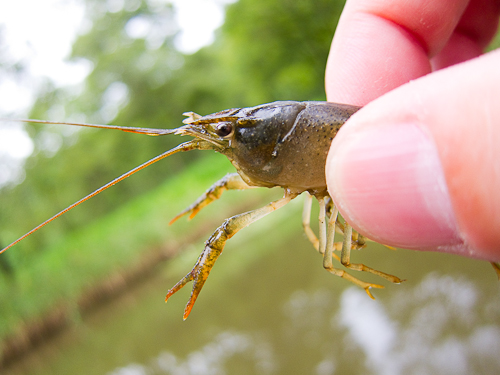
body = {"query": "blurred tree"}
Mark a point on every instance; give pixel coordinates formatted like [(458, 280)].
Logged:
[(5, 265), (267, 50)]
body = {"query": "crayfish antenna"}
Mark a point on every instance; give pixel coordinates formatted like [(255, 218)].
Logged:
[(186, 146), (128, 129)]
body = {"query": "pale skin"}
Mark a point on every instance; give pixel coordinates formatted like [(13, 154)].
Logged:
[(419, 166)]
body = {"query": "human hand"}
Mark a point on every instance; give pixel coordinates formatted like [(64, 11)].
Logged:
[(419, 167)]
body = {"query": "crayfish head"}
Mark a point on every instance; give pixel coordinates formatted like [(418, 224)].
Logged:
[(249, 137), (216, 132)]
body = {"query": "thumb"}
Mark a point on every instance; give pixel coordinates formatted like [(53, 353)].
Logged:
[(419, 167)]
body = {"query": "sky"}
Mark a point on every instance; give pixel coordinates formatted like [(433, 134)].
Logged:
[(41, 33)]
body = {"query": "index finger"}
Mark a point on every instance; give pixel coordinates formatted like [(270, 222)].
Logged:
[(379, 45)]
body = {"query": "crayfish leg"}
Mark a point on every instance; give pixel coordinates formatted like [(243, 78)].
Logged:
[(232, 181), (306, 221), (214, 246), (189, 277), (345, 259), (496, 267), (322, 225), (306, 224), (326, 243), (346, 247), (330, 244)]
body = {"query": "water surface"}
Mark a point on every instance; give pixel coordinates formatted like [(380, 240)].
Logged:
[(269, 308)]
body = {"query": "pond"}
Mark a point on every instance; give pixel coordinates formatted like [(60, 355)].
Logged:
[(269, 308)]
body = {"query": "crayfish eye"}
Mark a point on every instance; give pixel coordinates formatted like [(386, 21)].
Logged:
[(224, 129)]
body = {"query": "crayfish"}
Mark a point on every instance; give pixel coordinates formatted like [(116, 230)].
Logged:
[(280, 144)]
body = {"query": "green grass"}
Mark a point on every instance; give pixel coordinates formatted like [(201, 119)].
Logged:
[(60, 274)]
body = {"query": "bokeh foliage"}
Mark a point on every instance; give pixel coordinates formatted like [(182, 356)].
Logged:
[(266, 50)]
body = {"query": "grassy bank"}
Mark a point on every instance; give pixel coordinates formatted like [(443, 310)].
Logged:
[(77, 262)]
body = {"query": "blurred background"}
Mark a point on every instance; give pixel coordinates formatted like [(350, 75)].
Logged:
[(85, 294)]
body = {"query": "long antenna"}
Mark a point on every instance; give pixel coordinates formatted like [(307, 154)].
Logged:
[(186, 146), (148, 131)]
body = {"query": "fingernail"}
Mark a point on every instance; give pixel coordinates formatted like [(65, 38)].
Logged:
[(388, 182)]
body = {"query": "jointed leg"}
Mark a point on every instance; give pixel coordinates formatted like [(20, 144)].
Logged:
[(231, 181), (330, 243), (322, 225), (306, 224), (215, 245), (496, 267), (327, 259), (326, 244), (345, 259), (306, 221)]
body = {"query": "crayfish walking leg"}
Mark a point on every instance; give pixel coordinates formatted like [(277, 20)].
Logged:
[(496, 267), (345, 259), (326, 245)]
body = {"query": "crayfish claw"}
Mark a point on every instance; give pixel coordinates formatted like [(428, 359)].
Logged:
[(198, 285), (198, 274), (215, 244), (179, 285), (368, 291), (232, 181), (181, 214)]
